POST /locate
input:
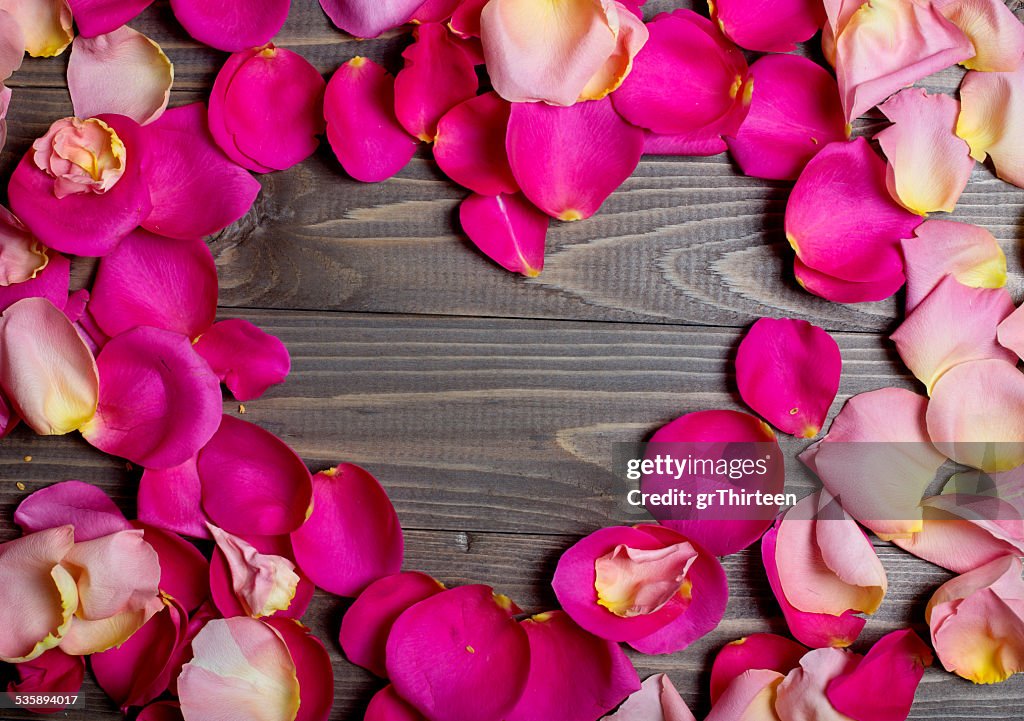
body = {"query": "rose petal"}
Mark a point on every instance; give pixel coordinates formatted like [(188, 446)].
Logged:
[(122, 72), (569, 160), (436, 76), (183, 569), (794, 113), (159, 401), (435, 11), (465, 20), (757, 651), (479, 656), (53, 673), (171, 499), (253, 483), (993, 29), (161, 711), (150, 281), (976, 415), (369, 19), (992, 120), (657, 700), (196, 190), (46, 25), (940, 247), (221, 582), (22, 258), (470, 145), (71, 503), (312, 668), (113, 572), (46, 370), (12, 45), (245, 358), (929, 166), (751, 697), (840, 218), (232, 25), (387, 705), (367, 623), (364, 133), (241, 668), (631, 37), (508, 229), (801, 695), (352, 537), (95, 17), (771, 26), (262, 584), (846, 291), (683, 144)]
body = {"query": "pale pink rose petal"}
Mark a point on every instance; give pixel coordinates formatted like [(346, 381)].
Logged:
[(46, 370), (159, 401), (367, 623), (788, 371), (686, 57), (252, 482), (366, 18), (846, 550), (976, 415), (801, 695), (437, 75), (8, 418), (479, 656), (633, 582), (992, 120), (929, 165), (161, 711), (262, 584), (196, 189), (266, 108), (896, 663), (977, 622), (151, 281), (85, 223), (171, 499), (183, 569), (508, 229), (756, 651), (364, 133), (240, 668), (38, 602), (715, 431), (1010, 332), (113, 573), (183, 654), (939, 247), (387, 705), (534, 53), (877, 460), (122, 72), (751, 697), (470, 145), (352, 537), (996, 33), (139, 670), (632, 35), (817, 630), (22, 257), (569, 160), (771, 26), (95, 17), (46, 25), (657, 700), (794, 113), (71, 503), (840, 218), (247, 359), (890, 44), (602, 674), (232, 25), (51, 283), (952, 325), (837, 290), (312, 669), (221, 582), (53, 673), (12, 45)]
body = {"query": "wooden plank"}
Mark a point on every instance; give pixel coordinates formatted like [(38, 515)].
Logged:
[(474, 424)]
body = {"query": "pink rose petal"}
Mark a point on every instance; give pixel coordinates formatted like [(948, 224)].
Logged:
[(437, 75), (221, 581), (569, 160), (508, 229), (756, 651), (352, 537), (231, 25), (55, 673), (46, 25), (50, 282), (994, 30), (465, 20), (794, 113), (657, 700), (245, 358), (71, 503), (846, 291), (244, 579), (470, 145), (159, 401), (161, 711), (171, 499), (366, 19), (22, 257), (435, 11), (801, 695), (95, 17), (151, 281), (479, 656), (12, 45), (992, 120), (683, 144), (771, 26), (183, 569), (364, 133), (751, 697), (387, 705), (631, 36), (312, 668), (253, 483)]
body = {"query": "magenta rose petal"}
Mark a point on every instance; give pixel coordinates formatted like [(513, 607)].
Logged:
[(569, 160), (231, 25), (51, 282), (480, 656), (253, 483), (362, 128), (171, 499), (247, 359), (770, 26), (756, 651), (438, 74), (368, 621), (54, 672), (508, 229), (470, 145), (96, 17), (435, 11), (196, 189), (683, 144), (150, 281), (366, 19), (159, 401), (387, 705), (312, 668), (794, 113), (183, 569), (352, 537), (161, 711), (73, 503), (788, 371), (846, 291)]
